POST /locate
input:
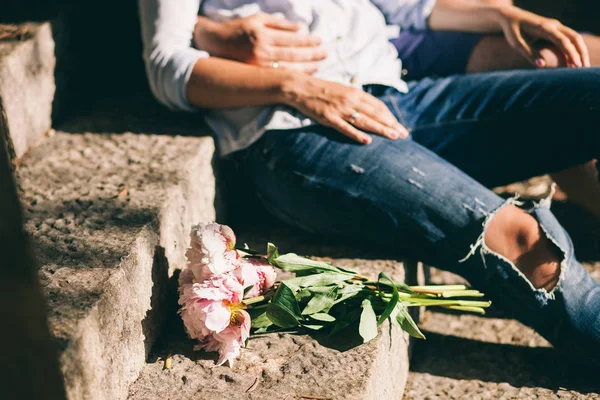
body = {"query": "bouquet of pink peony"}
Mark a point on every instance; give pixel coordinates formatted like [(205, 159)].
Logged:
[(226, 291)]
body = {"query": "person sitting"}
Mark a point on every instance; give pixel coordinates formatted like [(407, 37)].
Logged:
[(345, 148), (425, 53)]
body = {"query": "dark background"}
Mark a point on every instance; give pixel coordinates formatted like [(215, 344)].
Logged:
[(98, 44)]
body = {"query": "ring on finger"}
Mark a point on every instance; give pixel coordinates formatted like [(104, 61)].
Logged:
[(275, 64), (354, 116)]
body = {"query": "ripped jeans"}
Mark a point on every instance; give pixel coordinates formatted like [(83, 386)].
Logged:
[(428, 196)]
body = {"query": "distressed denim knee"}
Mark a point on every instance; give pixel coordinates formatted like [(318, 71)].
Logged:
[(568, 315)]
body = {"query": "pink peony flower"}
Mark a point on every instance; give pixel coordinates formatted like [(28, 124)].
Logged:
[(213, 313), (212, 250), (229, 341), (255, 272)]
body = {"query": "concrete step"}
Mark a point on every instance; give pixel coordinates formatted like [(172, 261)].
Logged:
[(109, 216), (109, 213), (27, 86), (287, 365), (491, 357), (29, 368)]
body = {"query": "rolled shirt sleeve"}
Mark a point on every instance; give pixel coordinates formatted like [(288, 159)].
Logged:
[(167, 33), (408, 14)]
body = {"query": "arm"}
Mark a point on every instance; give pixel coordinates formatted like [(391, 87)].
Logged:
[(261, 39), (185, 78), (520, 27), (460, 15), (496, 2), (219, 83)]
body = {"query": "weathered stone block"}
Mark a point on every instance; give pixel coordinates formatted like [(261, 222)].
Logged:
[(109, 216), (27, 85), (28, 361)]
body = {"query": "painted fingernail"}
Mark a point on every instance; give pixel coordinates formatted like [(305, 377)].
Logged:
[(540, 63), (366, 140)]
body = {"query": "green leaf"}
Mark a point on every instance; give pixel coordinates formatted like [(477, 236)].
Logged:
[(399, 285), (348, 292), (260, 319), (304, 266), (281, 317), (324, 279), (302, 294), (313, 327), (339, 326), (285, 298), (393, 301), (319, 289), (248, 251), (320, 302), (272, 253), (407, 323), (368, 322), (284, 310), (247, 289), (323, 317)]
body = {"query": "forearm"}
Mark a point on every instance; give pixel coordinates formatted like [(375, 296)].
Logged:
[(494, 2), (215, 37), (462, 15), (219, 83)]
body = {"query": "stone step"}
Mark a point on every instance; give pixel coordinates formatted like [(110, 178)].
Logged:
[(491, 357), (27, 87), (287, 365), (109, 217), (29, 368)]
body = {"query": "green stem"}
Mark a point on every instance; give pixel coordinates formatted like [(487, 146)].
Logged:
[(437, 288), (431, 296), (254, 300), (462, 293), (460, 303), (476, 310)]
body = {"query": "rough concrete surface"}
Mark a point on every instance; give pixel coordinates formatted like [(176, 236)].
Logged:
[(109, 217), (27, 85), (28, 363), (492, 357), (284, 365)]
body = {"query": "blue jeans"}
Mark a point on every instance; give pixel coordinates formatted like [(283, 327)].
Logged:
[(428, 197)]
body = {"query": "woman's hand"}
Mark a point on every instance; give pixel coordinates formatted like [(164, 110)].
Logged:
[(346, 109), (521, 28), (261, 39)]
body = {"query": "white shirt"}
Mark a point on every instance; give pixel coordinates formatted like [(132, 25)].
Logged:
[(353, 32)]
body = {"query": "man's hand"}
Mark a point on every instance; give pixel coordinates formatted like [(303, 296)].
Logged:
[(522, 28), (261, 39)]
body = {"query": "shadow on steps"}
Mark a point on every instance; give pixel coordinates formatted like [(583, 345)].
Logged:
[(520, 366), (136, 112)]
